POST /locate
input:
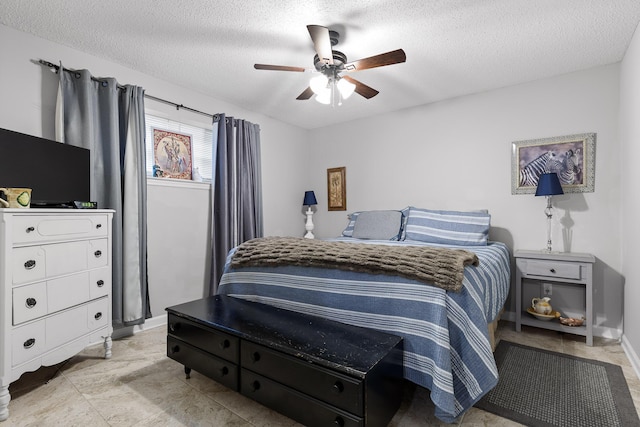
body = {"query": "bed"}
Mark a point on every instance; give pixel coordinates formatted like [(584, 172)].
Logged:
[(447, 339)]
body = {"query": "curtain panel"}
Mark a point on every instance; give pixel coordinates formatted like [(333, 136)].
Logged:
[(108, 119), (237, 190)]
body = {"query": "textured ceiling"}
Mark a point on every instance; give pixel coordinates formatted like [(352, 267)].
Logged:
[(453, 47)]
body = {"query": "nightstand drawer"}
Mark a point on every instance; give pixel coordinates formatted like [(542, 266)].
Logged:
[(552, 269)]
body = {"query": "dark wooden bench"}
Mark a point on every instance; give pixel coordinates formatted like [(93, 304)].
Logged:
[(313, 370)]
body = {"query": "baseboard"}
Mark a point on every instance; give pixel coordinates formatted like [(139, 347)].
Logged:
[(631, 355), (127, 331)]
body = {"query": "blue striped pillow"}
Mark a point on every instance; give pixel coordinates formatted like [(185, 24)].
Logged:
[(448, 227), (348, 232)]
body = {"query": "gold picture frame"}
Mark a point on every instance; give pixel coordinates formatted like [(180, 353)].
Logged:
[(337, 189), (572, 157), (171, 154)]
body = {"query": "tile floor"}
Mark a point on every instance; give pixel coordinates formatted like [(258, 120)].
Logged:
[(139, 386)]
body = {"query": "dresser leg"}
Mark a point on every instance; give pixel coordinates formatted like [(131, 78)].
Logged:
[(107, 347), (5, 398), (187, 372)]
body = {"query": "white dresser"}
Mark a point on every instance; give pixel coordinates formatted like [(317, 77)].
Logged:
[(55, 288)]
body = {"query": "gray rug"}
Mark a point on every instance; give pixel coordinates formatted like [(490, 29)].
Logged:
[(544, 388)]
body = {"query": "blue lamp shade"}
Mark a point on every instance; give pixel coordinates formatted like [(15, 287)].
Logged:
[(549, 185), (309, 198)]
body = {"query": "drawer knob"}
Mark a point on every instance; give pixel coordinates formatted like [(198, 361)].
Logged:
[(98, 225), (97, 254), (225, 344), (338, 387), (255, 386), (224, 371), (174, 326), (98, 315), (553, 270), (175, 349), (31, 302), (30, 229), (29, 343), (255, 356), (339, 421), (100, 283), (30, 265)]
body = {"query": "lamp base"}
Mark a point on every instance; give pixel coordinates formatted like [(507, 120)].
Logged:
[(309, 225)]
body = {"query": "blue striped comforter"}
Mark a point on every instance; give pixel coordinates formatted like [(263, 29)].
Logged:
[(446, 344)]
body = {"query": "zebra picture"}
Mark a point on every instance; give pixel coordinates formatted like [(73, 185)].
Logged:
[(571, 157)]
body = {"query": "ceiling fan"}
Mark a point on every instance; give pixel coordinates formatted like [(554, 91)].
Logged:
[(332, 64)]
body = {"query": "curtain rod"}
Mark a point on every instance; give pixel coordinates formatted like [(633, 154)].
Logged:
[(215, 117)]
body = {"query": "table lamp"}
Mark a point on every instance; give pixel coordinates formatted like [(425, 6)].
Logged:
[(309, 200), (549, 186)]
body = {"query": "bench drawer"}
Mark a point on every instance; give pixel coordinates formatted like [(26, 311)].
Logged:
[(210, 340), (339, 390), (306, 410), (220, 370)]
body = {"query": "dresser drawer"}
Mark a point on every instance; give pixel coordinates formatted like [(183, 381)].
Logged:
[(29, 302), (67, 325), (209, 340), (339, 390), (42, 228), (306, 410), (551, 269), (37, 262), (27, 342), (99, 282), (216, 368)]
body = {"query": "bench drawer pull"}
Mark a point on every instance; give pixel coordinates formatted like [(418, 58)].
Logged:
[(339, 421), (255, 386), (338, 387), (224, 371), (225, 344), (173, 327), (255, 356)]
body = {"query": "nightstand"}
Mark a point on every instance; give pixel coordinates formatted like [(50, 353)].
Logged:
[(567, 278)]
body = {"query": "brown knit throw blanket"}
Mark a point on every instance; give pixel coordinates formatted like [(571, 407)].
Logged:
[(441, 267)]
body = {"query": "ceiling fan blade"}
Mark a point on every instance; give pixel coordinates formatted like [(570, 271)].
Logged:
[(321, 42), (308, 93), (389, 58), (361, 88), (278, 68)]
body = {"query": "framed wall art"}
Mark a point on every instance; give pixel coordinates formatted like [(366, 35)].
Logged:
[(337, 189), (171, 154), (572, 157)]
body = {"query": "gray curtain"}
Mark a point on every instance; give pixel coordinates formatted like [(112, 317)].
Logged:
[(108, 119), (237, 190)]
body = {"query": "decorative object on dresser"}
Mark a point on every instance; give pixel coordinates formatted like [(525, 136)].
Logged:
[(309, 200), (313, 370), (569, 276), (549, 186), (55, 288)]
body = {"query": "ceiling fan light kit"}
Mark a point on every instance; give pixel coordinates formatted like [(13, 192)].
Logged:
[(330, 87)]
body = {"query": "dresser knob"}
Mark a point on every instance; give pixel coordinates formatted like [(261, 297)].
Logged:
[(255, 356), (98, 315), (100, 283), (29, 343), (30, 302), (97, 254), (30, 229), (225, 344), (338, 387), (176, 349), (553, 270), (339, 421), (98, 225), (29, 265), (224, 371), (255, 386)]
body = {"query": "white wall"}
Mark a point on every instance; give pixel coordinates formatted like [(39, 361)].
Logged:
[(630, 153), (457, 155), (178, 214)]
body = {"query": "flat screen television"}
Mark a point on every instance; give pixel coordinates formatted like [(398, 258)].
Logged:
[(57, 173)]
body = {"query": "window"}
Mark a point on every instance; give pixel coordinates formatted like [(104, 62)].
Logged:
[(201, 143)]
